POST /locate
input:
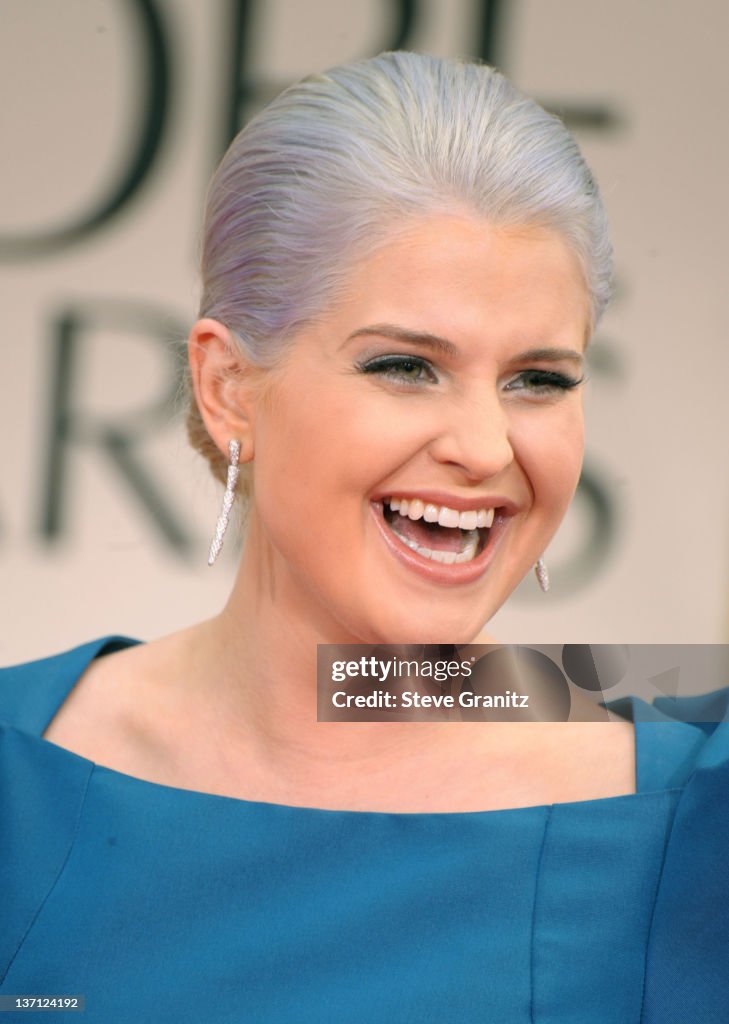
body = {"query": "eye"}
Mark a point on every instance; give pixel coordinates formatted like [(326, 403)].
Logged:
[(402, 369), (542, 382)]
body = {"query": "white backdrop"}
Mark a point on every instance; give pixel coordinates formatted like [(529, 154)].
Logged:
[(105, 514)]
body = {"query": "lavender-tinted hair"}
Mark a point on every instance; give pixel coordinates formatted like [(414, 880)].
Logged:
[(325, 172)]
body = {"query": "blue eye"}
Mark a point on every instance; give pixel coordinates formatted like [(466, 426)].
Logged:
[(542, 382), (401, 369)]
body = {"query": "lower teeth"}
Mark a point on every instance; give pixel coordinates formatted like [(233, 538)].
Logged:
[(448, 557)]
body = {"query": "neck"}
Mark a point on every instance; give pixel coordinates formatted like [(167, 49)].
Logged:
[(260, 657)]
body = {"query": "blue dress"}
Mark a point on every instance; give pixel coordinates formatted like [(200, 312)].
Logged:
[(160, 904)]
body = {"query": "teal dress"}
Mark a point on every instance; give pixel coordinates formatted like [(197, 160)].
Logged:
[(161, 905)]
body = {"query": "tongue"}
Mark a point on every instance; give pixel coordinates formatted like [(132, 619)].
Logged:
[(427, 535)]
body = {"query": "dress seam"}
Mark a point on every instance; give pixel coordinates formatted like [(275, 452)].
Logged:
[(54, 883), (532, 955), (659, 879)]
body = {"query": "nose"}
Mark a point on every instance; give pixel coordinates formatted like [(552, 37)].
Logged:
[(474, 437)]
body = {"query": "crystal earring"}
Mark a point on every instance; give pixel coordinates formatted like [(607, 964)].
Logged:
[(228, 498), (542, 575)]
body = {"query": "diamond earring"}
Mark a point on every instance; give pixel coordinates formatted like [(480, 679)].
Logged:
[(542, 575), (228, 498)]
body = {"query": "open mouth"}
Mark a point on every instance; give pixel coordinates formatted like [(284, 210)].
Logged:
[(439, 533)]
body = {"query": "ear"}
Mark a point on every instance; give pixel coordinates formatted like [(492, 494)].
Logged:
[(224, 385)]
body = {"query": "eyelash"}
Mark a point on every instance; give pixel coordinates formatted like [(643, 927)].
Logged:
[(546, 380), (392, 366)]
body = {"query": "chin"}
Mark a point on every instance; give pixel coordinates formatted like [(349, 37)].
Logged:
[(431, 629)]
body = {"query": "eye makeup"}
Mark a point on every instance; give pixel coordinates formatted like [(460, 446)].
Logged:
[(543, 381), (401, 368)]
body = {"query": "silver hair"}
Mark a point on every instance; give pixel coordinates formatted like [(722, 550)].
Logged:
[(322, 176)]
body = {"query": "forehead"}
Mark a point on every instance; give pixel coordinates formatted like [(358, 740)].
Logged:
[(459, 275)]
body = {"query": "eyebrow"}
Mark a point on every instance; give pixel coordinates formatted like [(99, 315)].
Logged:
[(432, 341), (552, 355), (422, 338)]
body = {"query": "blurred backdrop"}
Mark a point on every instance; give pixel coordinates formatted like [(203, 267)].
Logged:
[(114, 115)]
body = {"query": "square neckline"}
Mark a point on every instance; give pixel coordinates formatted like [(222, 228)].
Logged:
[(106, 645)]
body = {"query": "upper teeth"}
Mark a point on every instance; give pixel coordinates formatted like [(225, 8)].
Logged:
[(414, 508)]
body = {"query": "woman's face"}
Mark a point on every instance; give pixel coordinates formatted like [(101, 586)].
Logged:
[(447, 378)]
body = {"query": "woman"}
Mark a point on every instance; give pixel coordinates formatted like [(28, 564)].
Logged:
[(403, 262)]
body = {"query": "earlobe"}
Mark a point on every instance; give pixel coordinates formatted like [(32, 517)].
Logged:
[(222, 382)]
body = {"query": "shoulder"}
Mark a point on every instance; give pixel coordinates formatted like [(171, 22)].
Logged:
[(678, 736), (32, 692), (124, 708), (43, 793), (691, 911), (705, 710)]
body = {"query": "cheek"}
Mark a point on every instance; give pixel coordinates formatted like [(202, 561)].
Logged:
[(318, 453), (550, 450), (342, 439)]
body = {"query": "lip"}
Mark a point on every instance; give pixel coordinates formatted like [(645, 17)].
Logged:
[(439, 572)]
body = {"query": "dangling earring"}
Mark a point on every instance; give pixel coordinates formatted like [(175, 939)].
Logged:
[(228, 499), (542, 575)]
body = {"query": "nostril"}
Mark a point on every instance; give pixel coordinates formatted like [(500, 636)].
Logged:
[(477, 454)]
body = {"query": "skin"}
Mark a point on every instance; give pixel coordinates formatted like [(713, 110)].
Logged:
[(472, 433), (237, 693)]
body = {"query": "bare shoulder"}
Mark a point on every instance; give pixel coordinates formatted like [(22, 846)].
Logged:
[(122, 705), (603, 761), (557, 762)]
